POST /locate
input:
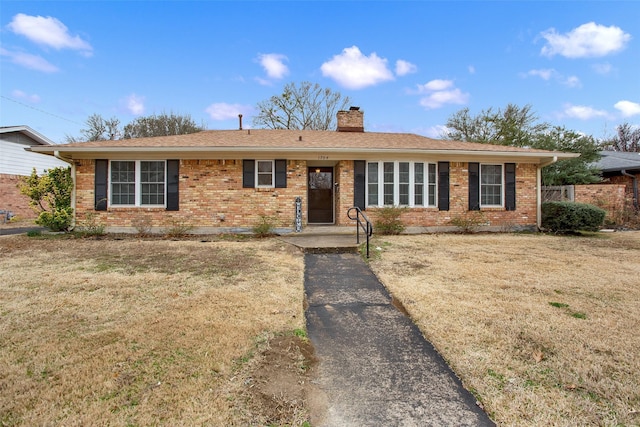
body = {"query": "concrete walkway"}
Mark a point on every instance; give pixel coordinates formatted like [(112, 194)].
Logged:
[(375, 367)]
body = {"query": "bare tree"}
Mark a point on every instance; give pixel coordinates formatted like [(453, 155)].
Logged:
[(98, 129), (627, 138), (307, 106)]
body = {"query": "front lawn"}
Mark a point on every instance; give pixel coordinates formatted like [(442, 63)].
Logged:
[(543, 329)]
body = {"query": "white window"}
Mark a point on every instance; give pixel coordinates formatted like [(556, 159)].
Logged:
[(372, 184), (265, 173), (491, 185), (138, 183), (401, 184)]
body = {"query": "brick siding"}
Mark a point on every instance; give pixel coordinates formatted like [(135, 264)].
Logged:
[(10, 198), (211, 195), (524, 216), (610, 197)]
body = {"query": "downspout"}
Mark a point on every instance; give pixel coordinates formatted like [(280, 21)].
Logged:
[(539, 190), (57, 155), (634, 181)]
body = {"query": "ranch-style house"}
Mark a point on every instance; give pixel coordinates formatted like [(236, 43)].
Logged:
[(229, 180)]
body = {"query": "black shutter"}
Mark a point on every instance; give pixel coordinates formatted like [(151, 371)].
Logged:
[(100, 185), (173, 185), (474, 186), (359, 183), (510, 184), (443, 186), (248, 173), (281, 174)]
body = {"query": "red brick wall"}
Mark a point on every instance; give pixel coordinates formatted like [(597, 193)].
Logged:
[(610, 197), (524, 216), (11, 199), (211, 195)]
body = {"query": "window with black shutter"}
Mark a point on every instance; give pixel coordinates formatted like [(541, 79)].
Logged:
[(443, 186), (474, 186), (101, 184), (510, 186)]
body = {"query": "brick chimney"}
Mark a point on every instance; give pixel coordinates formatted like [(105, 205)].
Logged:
[(351, 121)]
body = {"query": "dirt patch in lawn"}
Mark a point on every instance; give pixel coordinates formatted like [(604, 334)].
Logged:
[(542, 329), (152, 332)]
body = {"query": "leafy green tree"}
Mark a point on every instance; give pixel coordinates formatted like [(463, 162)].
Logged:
[(520, 127), (50, 197), (307, 106), (161, 125)]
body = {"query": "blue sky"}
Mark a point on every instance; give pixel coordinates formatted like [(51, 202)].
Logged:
[(409, 65)]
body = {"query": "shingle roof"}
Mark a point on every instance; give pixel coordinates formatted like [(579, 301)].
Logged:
[(279, 139), (300, 143), (615, 161)]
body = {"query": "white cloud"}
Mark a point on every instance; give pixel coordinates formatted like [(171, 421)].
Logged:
[(471, 69), (586, 41), (544, 74), (440, 92), (27, 60), (403, 68), (135, 104), (273, 64), (627, 108), (435, 85), (604, 68), (33, 99), (547, 74), (48, 31), (224, 111), (354, 70), (582, 112), (572, 81)]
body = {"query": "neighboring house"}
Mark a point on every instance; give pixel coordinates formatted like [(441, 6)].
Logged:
[(621, 168), (16, 162), (228, 180)]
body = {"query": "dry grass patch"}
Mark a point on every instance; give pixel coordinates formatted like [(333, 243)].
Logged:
[(135, 332), (543, 329)]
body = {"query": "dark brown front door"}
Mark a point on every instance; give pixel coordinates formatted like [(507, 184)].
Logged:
[(321, 195)]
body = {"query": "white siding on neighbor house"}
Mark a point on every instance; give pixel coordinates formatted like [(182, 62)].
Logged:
[(14, 160)]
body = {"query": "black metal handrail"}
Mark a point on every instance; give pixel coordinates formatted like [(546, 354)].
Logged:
[(361, 222)]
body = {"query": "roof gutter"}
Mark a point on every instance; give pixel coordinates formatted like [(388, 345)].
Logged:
[(634, 181), (539, 190), (342, 151)]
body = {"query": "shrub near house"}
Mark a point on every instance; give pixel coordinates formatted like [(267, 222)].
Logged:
[(565, 217)]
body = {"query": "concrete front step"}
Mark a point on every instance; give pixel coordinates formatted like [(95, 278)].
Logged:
[(323, 243)]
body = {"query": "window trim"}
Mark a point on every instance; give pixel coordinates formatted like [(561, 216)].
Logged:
[(426, 184), (502, 185), (137, 185), (273, 174)]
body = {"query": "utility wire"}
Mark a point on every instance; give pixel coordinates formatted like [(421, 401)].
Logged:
[(39, 110)]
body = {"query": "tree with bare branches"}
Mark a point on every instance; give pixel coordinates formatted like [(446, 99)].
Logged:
[(303, 106)]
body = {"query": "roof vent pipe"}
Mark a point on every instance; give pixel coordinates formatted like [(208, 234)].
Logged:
[(240, 120)]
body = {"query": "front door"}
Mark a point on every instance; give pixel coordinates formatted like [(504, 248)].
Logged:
[(320, 195)]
